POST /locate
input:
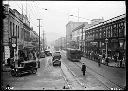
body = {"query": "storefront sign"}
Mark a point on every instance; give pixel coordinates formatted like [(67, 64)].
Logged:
[(114, 40), (7, 52), (90, 38)]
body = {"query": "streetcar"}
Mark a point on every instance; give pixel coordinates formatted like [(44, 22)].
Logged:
[(74, 54)]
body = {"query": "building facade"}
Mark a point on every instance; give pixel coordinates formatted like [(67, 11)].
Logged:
[(69, 28), (107, 37), (16, 32)]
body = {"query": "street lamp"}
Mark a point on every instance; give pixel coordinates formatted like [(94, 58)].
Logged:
[(14, 45), (106, 41)]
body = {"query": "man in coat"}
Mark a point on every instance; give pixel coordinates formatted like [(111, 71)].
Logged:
[(83, 69)]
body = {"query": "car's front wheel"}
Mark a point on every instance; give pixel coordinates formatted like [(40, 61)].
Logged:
[(18, 74), (13, 73)]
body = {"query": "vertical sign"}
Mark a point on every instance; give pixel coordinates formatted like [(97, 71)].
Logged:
[(7, 52)]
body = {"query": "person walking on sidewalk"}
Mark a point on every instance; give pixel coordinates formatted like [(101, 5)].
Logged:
[(120, 58), (99, 62), (83, 69)]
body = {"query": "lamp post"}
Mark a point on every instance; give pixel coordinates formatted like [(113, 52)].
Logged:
[(14, 45), (106, 41)]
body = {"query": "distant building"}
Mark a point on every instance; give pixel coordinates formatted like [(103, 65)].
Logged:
[(69, 28)]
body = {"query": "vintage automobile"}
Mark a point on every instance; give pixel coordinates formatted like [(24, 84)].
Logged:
[(42, 55), (26, 67), (47, 53), (56, 62), (56, 55), (56, 59)]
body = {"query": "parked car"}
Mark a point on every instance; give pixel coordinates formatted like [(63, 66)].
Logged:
[(26, 67), (56, 62), (42, 55), (47, 53)]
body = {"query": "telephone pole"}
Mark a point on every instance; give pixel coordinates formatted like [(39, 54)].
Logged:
[(39, 35), (43, 41)]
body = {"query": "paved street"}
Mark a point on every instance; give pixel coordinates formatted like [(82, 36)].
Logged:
[(68, 75), (47, 77), (106, 76)]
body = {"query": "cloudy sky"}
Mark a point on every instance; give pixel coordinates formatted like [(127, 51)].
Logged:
[(55, 18)]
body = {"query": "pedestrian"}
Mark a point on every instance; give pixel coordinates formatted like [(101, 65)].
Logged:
[(115, 58), (107, 60), (103, 58), (98, 59), (120, 58), (83, 69)]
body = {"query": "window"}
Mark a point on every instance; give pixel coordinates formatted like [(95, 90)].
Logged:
[(13, 29), (115, 30), (10, 28), (18, 31), (109, 31), (121, 29)]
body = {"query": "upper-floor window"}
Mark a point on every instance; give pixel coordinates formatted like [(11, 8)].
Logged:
[(18, 31), (121, 29), (10, 28), (13, 29), (114, 30), (109, 31)]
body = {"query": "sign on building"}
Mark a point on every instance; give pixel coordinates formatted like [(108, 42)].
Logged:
[(7, 52)]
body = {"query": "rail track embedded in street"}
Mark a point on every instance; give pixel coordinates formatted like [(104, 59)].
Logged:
[(121, 88), (79, 64)]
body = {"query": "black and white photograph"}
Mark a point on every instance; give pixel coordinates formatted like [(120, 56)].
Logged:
[(63, 45)]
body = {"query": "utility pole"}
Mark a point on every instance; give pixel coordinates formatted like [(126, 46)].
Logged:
[(39, 35), (43, 40)]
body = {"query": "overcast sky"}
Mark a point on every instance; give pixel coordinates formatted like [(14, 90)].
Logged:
[(54, 20)]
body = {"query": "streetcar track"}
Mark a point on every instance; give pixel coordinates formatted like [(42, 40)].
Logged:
[(98, 74), (74, 76), (66, 80)]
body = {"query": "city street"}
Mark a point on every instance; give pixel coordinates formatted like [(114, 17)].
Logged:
[(47, 77), (87, 45), (103, 77), (68, 75)]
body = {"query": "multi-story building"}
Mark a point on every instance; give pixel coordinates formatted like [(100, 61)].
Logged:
[(78, 34), (34, 39), (69, 27), (12, 28), (108, 37), (60, 43), (16, 32)]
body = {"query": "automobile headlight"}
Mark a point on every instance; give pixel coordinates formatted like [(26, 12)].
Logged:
[(16, 70)]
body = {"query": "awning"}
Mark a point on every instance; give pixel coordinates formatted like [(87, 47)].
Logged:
[(29, 45)]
